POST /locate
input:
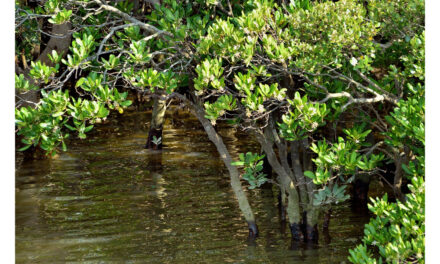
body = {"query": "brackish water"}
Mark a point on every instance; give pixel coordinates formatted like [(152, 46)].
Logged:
[(108, 200)]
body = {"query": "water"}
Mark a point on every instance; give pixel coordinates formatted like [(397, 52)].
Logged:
[(108, 200)]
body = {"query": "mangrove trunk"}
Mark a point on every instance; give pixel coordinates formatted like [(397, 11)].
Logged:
[(154, 140), (233, 172)]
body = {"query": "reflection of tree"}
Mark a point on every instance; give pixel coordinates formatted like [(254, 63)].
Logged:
[(159, 190), (154, 161), (267, 206), (27, 193)]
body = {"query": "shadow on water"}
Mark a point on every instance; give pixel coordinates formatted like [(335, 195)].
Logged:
[(108, 199)]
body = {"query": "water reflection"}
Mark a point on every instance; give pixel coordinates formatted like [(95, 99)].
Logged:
[(108, 199)]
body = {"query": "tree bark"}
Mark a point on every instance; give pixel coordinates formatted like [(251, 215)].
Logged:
[(61, 44), (282, 151), (312, 224), (308, 165), (30, 98), (307, 195), (267, 169), (233, 172), (327, 217), (282, 204), (361, 186), (398, 176), (311, 212), (293, 207), (156, 126)]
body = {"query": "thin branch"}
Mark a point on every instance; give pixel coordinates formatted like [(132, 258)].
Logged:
[(378, 144), (149, 28), (370, 82), (54, 36), (352, 100), (112, 31)]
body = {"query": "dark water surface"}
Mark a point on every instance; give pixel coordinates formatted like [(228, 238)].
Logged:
[(108, 200)]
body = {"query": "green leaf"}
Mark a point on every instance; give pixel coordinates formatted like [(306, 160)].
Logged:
[(125, 103), (80, 82), (87, 129), (24, 148), (309, 174), (70, 127), (237, 163), (58, 114)]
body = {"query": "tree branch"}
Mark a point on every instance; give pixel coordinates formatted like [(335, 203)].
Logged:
[(149, 28)]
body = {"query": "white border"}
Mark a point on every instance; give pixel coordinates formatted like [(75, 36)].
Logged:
[(432, 131), (7, 226)]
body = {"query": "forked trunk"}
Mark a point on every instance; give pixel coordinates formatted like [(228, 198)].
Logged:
[(306, 191), (288, 186)]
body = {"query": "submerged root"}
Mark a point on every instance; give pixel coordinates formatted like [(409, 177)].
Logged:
[(295, 230), (282, 207), (253, 230), (326, 222), (312, 233)]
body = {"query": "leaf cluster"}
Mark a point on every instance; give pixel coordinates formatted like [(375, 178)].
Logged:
[(253, 166)]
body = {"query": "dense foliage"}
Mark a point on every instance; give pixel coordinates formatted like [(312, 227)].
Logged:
[(330, 90), (398, 230)]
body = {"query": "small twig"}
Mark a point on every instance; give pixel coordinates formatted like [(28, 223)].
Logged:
[(378, 144)]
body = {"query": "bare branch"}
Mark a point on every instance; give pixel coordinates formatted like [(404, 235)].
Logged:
[(378, 144), (149, 28), (370, 82), (351, 100), (112, 31)]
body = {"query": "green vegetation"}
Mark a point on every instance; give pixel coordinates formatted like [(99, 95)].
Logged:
[(253, 164), (329, 89)]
